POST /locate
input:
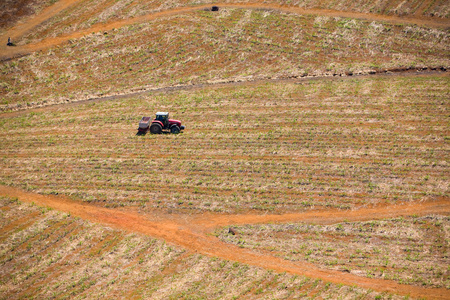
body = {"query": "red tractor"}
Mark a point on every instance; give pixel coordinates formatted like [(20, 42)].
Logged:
[(160, 123)]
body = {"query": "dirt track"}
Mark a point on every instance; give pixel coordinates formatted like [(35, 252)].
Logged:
[(18, 31), (23, 27), (127, 94), (191, 232)]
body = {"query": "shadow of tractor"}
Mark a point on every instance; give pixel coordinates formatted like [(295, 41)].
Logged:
[(141, 133)]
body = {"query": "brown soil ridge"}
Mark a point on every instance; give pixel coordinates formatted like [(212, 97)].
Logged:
[(18, 31), (189, 232)]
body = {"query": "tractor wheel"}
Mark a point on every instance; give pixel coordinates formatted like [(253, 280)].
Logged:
[(175, 129), (155, 128)]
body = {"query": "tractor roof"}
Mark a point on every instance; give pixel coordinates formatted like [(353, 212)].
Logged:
[(162, 113)]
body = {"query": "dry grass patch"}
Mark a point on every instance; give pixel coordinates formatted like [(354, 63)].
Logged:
[(413, 250)]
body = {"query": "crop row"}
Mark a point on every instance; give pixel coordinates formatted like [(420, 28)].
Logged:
[(88, 12), (271, 147), (411, 250), (55, 255), (201, 47)]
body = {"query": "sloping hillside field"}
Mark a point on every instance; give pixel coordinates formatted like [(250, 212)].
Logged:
[(314, 163), (266, 147), (198, 46)]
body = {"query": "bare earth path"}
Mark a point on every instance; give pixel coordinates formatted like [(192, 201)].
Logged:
[(20, 30), (143, 91), (191, 232)]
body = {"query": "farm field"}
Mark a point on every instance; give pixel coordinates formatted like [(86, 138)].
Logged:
[(409, 250), (251, 160), (233, 45), (314, 163), (190, 235), (273, 147), (48, 254)]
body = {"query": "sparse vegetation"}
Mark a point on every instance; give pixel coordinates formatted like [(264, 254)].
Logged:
[(53, 255), (275, 124), (289, 147), (13, 10), (234, 45), (408, 250), (87, 13)]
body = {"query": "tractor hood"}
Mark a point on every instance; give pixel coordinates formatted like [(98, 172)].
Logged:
[(177, 122)]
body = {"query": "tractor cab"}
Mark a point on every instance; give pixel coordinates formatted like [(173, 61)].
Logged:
[(163, 117)]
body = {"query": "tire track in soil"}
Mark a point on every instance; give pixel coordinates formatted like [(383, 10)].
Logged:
[(191, 232), (419, 71), (330, 216), (7, 53)]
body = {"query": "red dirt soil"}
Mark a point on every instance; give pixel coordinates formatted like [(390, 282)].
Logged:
[(13, 10), (191, 232), (16, 32)]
